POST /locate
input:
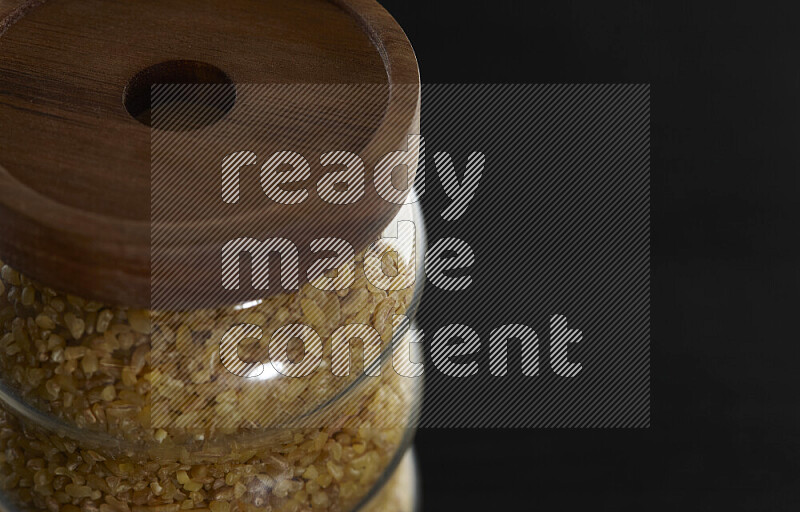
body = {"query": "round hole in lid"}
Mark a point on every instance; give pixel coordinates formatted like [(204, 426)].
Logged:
[(184, 94)]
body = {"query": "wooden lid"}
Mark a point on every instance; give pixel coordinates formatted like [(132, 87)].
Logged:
[(75, 165)]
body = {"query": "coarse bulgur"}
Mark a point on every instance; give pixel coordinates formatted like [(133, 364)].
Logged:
[(91, 368)]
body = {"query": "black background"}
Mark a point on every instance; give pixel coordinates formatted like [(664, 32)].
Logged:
[(725, 432)]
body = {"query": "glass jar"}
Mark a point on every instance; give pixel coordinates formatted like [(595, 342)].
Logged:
[(396, 490), (207, 402), (80, 384)]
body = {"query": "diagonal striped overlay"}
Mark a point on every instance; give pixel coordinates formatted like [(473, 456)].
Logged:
[(539, 193), (560, 229)]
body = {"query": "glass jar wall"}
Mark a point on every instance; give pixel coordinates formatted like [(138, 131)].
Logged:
[(80, 380)]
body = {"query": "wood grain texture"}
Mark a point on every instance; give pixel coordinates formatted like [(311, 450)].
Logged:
[(75, 166)]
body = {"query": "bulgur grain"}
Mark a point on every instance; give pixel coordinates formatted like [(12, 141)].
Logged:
[(89, 365)]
